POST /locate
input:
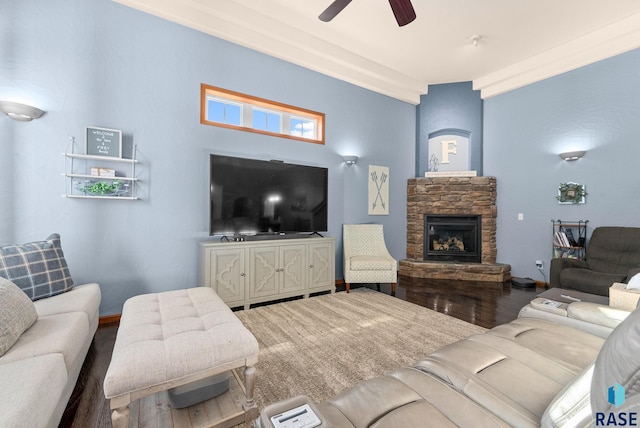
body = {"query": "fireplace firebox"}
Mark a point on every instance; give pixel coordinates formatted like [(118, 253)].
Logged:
[(452, 238)]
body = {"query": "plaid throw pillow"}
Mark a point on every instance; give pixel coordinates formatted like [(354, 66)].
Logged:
[(38, 268)]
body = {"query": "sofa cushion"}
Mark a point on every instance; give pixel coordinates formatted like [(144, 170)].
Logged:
[(38, 267), (370, 263), (450, 403), (31, 390), (83, 298), (588, 280), (492, 368), (495, 379), (614, 249), (17, 313), (569, 347), (571, 407), (63, 334), (382, 394), (406, 398)]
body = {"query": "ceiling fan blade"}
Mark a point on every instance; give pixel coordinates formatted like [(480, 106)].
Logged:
[(333, 9), (403, 11)]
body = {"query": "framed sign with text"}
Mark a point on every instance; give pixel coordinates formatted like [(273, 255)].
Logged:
[(103, 142)]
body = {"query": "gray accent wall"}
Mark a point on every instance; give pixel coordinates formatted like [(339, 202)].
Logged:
[(452, 106), (102, 64)]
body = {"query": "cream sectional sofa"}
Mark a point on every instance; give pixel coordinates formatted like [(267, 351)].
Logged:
[(527, 373), (40, 370), (47, 324)]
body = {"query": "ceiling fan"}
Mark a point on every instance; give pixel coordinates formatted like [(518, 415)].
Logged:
[(402, 9)]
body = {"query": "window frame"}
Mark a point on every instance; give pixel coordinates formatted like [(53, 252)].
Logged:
[(266, 112), (209, 91), (304, 121), (225, 103)]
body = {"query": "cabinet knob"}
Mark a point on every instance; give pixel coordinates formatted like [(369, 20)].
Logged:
[(242, 274), (310, 266)]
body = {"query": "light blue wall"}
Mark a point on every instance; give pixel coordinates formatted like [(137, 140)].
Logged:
[(595, 108), (6, 181), (449, 106), (100, 63)]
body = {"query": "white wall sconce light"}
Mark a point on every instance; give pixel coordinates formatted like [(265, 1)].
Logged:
[(20, 112), (350, 160), (571, 156)]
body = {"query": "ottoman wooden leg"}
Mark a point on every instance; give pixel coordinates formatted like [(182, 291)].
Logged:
[(250, 407), (120, 417)]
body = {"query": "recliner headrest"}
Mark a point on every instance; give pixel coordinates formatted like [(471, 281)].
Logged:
[(618, 363)]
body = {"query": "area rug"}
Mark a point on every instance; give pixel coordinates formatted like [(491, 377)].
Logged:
[(325, 344)]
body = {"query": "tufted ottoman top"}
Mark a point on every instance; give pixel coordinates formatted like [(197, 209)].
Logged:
[(165, 336)]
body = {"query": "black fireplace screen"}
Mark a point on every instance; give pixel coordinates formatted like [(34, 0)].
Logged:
[(452, 238)]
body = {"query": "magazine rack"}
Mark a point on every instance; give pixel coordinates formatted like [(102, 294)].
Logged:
[(569, 239)]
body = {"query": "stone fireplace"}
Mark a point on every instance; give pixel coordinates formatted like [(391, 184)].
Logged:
[(451, 229)]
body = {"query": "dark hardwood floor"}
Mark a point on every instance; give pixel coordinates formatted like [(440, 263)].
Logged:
[(486, 304), (480, 303)]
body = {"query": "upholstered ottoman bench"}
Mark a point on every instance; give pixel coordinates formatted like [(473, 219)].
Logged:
[(174, 338)]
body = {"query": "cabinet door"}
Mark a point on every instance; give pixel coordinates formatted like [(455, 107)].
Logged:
[(292, 268), (228, 274), (263, 271), (321, 262)]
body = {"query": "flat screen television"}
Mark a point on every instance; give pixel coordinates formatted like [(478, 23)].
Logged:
[(258, 197)]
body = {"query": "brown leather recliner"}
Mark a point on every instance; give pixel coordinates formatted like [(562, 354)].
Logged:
[(612, 255)]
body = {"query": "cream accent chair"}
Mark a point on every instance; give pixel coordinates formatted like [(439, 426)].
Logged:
[(366, 258)]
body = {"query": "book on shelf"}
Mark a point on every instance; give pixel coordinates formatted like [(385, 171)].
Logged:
[(560, 239), (570, 237)]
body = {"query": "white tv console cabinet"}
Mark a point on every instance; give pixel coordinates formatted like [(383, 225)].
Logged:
[(243, 273)]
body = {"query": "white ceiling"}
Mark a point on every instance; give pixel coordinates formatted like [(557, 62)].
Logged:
[(522, 41)]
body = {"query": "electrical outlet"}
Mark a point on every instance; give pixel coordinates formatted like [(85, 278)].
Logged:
[(539, 264)]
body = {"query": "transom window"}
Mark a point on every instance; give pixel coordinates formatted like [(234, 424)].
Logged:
[(224, 111), (303, 127), (221, 107), (266, 120)]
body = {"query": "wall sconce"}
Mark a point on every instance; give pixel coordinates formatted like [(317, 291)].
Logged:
[(571, 156), (20, 112), (350, 160)]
